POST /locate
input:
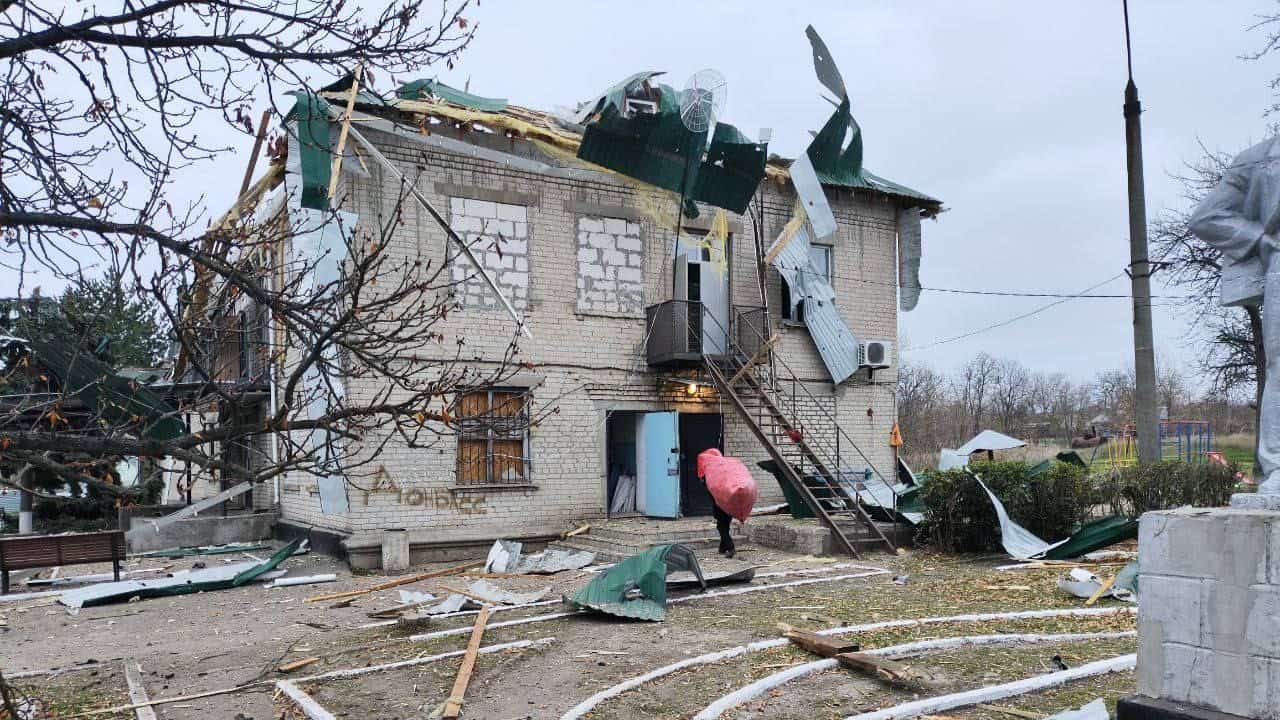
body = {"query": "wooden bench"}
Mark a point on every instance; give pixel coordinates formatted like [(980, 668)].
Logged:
[(39, 551)]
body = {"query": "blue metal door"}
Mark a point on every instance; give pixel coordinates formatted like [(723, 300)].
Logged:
[(659, 470)]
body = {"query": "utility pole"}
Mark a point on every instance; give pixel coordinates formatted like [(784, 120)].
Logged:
[(1144, 355)]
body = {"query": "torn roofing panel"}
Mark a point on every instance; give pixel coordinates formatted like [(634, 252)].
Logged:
[(311, 115), (637, 587), (119, 400), (836, 343), (424, 89), (656, 147)]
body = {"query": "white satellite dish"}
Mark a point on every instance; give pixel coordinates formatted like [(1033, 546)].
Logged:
[(703, 100)]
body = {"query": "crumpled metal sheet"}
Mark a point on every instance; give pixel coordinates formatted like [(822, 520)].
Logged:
[(836, 343), (1018, 541), (503, 556), (553, 560), (637, 587), (451, 604), (990, 440), (684, 580), (489, 592), (215, 578)]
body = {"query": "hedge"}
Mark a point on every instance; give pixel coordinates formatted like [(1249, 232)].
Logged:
[(1160, 486), (959, 516)]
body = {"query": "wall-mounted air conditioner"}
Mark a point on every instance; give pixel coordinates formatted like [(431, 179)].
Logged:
[(875, 354)]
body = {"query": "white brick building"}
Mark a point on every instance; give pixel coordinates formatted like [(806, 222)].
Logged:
[(580, 254)]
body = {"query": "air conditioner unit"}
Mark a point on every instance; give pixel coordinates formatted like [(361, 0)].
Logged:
[(875, 354)]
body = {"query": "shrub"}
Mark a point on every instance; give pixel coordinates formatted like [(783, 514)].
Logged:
[(959, 516), (1160, 486)]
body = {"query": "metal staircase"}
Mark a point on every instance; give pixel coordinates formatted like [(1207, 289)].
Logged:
[(811, 451)]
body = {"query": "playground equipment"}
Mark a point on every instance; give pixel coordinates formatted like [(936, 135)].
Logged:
[(1188, 441)]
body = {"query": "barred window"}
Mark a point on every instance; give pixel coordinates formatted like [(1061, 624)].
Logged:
[(493, 437)]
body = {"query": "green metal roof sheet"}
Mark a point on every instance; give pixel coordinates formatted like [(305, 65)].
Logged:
[(421, 89), (637, 587)]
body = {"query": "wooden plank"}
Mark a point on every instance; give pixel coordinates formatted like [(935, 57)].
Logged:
[(137, 691), (1102, 590), (880, 668), (336, 169), (757, 357), (297, 664), (815, 643), (253, 155), (576, 531), (453, 706), (396, 583)]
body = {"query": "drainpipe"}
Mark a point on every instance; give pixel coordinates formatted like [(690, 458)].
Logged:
[(26, 503)]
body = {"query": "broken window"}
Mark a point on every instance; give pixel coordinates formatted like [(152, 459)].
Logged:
[(820, 255), (493, 437)]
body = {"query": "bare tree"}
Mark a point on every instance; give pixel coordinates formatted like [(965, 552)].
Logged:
[(974, 387), (100, 109), (1009, 394)]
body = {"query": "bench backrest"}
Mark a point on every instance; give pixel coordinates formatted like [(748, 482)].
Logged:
[(19, 553)]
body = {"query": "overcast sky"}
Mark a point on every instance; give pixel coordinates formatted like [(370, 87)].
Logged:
[(1010, 112)]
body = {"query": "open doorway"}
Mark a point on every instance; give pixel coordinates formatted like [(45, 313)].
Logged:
[(698, 432), (620, 461)]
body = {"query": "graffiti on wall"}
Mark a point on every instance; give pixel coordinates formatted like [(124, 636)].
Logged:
[(431, 498)]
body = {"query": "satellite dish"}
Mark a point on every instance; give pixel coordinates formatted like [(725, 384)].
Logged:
[(703, 100)]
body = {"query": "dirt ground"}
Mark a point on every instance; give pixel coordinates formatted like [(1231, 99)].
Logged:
[(196, 643)]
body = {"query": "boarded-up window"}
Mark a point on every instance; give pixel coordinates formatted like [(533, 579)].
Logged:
[(493, 435)]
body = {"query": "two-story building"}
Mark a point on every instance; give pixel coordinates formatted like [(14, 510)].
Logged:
[(636, 332)]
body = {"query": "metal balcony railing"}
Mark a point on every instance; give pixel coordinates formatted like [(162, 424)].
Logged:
[(673, 332)]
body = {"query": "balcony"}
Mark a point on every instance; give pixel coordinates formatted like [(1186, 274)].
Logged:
[(679, 333)]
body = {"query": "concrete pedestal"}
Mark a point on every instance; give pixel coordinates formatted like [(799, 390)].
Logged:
[(1209, 614), (395, 551)]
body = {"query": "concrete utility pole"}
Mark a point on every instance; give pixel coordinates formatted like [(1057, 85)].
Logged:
[(1144, 355)]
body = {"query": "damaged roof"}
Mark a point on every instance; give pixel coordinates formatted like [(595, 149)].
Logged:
[(632, 128)]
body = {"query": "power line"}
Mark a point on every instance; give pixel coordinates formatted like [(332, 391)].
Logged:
[(1014, 319), (1001, 293)]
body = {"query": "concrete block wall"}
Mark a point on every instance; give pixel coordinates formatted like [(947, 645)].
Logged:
[(590, 358), (1209, 609), (610, 267), (498, 235)]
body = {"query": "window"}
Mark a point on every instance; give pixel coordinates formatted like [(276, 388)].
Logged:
[(493, 437), (820, 257)]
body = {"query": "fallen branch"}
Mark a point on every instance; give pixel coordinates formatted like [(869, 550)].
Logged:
[(298, 664)]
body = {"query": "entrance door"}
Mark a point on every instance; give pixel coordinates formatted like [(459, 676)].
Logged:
[(658, 450), (698, 432)]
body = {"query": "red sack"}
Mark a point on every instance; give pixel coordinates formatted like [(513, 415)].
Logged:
[(730, 483)]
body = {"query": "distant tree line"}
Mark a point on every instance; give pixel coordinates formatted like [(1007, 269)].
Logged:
[(937, 409)]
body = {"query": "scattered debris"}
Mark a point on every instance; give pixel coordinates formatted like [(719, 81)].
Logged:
[(576, 531), (206, 550), (503, 557), (1083, 584), (297, 664), (180, 583), (900, 579), (486, 591), (552, 561), (684, 580), (1020, 543), (847, 654), (453, 706), (397, 582), (304, 580)]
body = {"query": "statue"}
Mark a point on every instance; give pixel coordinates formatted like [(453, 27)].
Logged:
[(1240, 218)]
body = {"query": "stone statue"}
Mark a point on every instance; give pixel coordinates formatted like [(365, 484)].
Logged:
[(1241, 219)]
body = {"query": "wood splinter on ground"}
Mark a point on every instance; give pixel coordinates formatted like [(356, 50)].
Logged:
[(453, 706), (298, 664), (396, 583), (576, 531), (846, 653)]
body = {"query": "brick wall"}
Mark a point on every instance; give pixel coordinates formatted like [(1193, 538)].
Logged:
[(587, 352)]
